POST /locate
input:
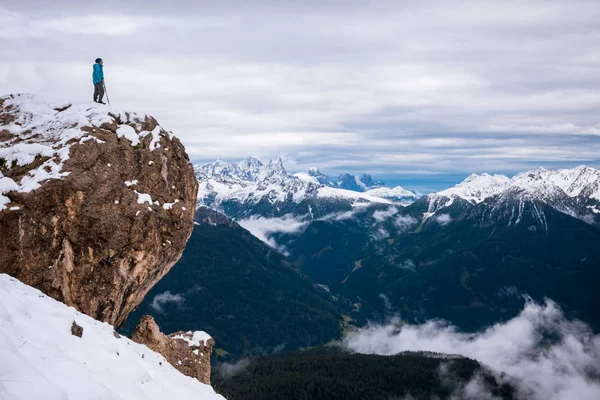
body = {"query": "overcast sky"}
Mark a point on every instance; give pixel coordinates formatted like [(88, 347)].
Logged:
[(396, 88)]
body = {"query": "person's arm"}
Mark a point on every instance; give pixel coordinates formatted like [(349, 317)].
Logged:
[(95, 74), (101, 74)]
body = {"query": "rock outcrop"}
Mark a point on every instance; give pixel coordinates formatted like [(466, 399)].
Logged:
[(189, 352), (96, 205)]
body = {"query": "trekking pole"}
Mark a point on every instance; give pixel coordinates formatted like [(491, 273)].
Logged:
[(106, 92)]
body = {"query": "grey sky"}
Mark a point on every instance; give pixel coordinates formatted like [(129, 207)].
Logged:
[(394, 88)]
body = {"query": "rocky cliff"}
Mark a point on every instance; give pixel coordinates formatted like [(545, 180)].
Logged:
[(189, 352), (96, 205)]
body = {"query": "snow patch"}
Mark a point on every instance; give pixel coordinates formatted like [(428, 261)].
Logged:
[(127, 132), (144, 198), (168, 206)]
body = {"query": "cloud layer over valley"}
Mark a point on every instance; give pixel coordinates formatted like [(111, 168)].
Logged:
[(544, 354)]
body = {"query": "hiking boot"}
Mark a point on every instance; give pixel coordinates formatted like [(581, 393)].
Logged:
[(100, 102)]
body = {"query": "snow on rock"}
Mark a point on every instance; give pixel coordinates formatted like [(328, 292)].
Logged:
[(74, 179), (44, 129), (196, 338), (128, 132), (143, 198), (41, 359)]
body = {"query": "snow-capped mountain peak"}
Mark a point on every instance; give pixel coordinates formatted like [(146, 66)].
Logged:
[(573, 191), (251, 164), (474, 189), (276, 167), (582, 181), (320, 177)]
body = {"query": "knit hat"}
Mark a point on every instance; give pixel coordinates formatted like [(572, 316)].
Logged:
[(98, 60)]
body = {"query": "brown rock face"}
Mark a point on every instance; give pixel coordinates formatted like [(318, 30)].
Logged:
[(95, 205), (189, 352)]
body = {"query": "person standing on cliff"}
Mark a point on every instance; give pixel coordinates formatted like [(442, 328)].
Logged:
[(98, 80)]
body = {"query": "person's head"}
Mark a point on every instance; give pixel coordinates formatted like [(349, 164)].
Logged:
[(99, 61)]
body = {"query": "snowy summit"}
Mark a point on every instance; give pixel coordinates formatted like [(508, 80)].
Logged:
[(37, 127)]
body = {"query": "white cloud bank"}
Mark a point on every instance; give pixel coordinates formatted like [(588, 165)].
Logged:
[(562, 368)]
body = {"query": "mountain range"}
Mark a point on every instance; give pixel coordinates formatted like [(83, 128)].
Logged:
[(467, 254), (253, 188)]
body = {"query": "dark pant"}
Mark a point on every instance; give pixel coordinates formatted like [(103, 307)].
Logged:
[(98, 91)]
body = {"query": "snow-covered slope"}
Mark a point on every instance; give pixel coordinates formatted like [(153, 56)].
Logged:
[(41, 359), (250, 182)]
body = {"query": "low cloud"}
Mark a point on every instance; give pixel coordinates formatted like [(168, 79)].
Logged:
[(345, 215), (166, 297), (386, 301), (380, 234), (279, 348), (229, 370), (443, 219), (545, 355), (263, 228), (382, 215), (404, 222)]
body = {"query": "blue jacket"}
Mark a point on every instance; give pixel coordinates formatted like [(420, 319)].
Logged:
[(98, 74)]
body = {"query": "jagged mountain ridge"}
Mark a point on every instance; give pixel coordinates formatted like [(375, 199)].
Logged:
[(357, 183), (253, 188)]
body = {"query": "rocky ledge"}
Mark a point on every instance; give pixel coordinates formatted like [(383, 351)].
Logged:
[(189, 352), (96, 205)]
